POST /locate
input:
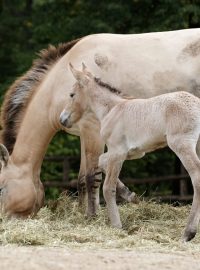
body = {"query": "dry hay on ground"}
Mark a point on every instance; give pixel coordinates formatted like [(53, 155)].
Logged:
[(147, 226)]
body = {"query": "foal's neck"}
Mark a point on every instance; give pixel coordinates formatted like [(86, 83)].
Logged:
[(102, 100)]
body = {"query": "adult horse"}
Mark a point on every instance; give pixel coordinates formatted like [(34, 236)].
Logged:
[(30, 118), (143, 65)]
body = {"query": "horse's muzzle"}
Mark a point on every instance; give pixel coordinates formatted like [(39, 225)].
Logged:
[(65, 119)]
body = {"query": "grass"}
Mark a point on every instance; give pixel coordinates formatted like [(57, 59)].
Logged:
[(147, 226)]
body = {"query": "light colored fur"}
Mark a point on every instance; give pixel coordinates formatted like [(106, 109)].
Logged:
[(131, 128), (141, 65)]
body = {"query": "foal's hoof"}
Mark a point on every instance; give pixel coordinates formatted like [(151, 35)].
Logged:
[(117, 225), (188, 235), (134, 198)]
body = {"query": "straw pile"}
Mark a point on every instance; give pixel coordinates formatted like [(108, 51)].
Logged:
[(147, 226)]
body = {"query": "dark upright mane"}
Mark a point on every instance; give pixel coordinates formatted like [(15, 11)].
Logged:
[(107, 86), (21, 91)]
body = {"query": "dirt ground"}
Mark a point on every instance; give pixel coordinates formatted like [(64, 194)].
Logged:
[(51, 258)]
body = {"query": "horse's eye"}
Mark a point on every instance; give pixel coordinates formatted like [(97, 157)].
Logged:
[(72, 95)]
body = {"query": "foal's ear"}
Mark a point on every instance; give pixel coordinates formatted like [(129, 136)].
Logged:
[(85, 71), (80, 76), (4, 156), (84, 68)]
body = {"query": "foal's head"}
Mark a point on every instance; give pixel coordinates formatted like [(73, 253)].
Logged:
[(77, 101)]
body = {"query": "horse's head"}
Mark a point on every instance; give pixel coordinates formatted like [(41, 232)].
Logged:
[(18, 194), (77, 101)]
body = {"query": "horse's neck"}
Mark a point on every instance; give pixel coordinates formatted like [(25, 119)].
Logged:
[(102, 101), (36, 130)]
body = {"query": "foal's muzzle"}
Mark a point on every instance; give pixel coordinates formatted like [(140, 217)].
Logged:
[(65, 119)]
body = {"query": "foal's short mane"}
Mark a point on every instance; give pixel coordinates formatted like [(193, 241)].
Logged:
[(21, 91), (107, 86), (111, 89)]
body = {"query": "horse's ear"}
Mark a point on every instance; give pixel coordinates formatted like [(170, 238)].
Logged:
[(79, 75), (4, 155)]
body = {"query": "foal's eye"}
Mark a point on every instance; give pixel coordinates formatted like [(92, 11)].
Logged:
[(72, 95), (1, 191)]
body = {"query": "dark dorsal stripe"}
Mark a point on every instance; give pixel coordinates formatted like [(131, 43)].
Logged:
[(20, 93), (107, 86)]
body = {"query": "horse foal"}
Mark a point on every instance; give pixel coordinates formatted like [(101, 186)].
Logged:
[(132, 127)]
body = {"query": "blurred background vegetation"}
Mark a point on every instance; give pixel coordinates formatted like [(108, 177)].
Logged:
[(27, 26)]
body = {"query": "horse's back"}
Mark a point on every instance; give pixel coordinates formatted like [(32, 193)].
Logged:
[(143, 65)]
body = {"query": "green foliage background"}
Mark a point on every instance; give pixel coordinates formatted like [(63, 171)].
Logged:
[(26, 26)]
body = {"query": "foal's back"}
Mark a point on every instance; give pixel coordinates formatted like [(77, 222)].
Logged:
[(152, 119)]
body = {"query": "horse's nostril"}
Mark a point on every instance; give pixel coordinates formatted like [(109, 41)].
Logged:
[(64, 118), (63, 121)]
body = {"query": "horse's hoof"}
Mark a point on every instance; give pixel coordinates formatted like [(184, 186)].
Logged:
[(188, 235), (90, 215)]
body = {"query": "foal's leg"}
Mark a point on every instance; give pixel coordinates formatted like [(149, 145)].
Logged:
[(198, 148), (121, 190), (113, 167), (186, 151), (93, 146), (124, 192)]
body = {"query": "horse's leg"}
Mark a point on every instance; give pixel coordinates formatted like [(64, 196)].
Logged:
[(40, 195), (93, 148), (112, 167), (186, 151)]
